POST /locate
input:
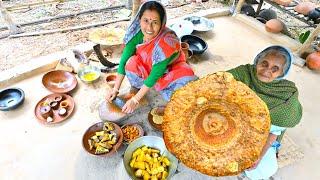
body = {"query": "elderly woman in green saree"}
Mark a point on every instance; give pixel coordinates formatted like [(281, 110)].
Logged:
[(266, 78)]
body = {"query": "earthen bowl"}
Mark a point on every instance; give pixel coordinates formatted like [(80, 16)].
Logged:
[(140, 130), (59, 81), (111, 79), (99, 127), (150, 119)]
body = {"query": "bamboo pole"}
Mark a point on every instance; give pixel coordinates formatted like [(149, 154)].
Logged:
[(29, 5), (68, 29), (13, 28), (306, 46), (135, 7), (45, 20), (238, 7)]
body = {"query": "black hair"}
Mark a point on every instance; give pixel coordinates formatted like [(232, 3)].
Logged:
[(152, 5)]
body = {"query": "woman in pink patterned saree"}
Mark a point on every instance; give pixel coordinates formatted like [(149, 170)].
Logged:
[(152, 57)]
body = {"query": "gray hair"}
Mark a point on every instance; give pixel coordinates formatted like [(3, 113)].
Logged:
[(277, 51)]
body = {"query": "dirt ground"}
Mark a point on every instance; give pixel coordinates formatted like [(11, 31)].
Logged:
[(19, 50), (16, 51)]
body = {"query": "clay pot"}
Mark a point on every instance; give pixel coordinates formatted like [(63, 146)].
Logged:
[(267, 14), (111, 79), (62, 112), (46, 112), (283, 2), (313, 61), (274, 26), (64, 104), (314, 14), (185, 48), (54, 105), (305, 7), (248, 10), (58, 98)]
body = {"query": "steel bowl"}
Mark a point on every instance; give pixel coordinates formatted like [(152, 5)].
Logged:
[(200, 24), (89, 74), (150, 141), (11, 98)]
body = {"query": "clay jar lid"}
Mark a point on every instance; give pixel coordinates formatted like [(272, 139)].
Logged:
[(305, 7), (274, 26)]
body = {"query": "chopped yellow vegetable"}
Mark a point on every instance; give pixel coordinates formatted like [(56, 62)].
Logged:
[(136, 153), (164, 175), (138, 173), (166, 161), (147, 163), (133, 160), (139, 165)]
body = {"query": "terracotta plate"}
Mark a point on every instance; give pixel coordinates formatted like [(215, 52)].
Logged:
[(56, 117), (99, 127), (59, 81)]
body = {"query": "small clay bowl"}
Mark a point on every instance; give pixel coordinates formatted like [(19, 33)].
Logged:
[(62, 111), (140, 132), (58, 98), (153, 124), (54, 105), (64, 104), (46, 112), (111, 79), (99, 127)]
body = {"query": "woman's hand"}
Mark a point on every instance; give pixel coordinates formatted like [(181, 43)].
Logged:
[(130, 105), (111, 95), (115, 91)]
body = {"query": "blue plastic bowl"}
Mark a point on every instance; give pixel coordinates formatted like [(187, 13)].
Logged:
[(11, 98)]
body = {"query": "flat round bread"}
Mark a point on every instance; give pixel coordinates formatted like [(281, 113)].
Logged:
[(216, 125), (107, 36)]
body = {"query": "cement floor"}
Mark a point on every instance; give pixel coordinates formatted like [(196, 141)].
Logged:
[(30, 150)]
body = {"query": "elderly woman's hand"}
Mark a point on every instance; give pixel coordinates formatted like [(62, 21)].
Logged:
[(130, 105)]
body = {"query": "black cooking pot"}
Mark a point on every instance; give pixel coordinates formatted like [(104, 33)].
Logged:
[(314, 14), (267, 14), (196, 44)]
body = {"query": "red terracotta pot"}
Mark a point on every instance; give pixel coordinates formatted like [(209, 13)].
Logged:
[(274, 26), (313, 61)]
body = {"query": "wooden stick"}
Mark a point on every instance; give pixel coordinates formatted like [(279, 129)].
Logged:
[(13, 28), (306, 46), (29, 5), (68, 29), (44, 20), (239, 6)]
